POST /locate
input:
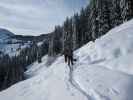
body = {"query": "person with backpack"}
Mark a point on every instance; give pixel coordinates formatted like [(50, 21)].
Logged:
[(68, 56)]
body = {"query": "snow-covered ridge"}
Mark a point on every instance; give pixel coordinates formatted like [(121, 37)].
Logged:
[(7, 43), (103, 71), (5, 32), (4, 35), (12, 44)]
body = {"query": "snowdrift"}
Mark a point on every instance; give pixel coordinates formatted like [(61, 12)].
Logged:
[(103, 71)]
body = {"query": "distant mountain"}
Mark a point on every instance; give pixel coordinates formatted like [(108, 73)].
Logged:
[(32, 38), (5, 35), (12, 44), (4, 32)]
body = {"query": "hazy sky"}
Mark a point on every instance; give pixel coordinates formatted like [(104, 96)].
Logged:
[(34, 17)]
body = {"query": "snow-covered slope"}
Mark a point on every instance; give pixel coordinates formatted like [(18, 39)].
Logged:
[(8, 44), (12, 44), (103, 71), (5, 35)]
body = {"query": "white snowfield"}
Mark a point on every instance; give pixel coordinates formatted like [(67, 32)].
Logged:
[(103, 71)]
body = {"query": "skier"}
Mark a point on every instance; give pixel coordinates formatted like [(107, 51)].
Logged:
[(70, 57), (66, 55)]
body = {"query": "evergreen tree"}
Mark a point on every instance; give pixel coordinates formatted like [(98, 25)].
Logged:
[(103, 17), (68, 34), (127, 9), (116, 18), (75, 31)]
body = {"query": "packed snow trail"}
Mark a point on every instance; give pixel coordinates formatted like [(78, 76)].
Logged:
[(73, 83)]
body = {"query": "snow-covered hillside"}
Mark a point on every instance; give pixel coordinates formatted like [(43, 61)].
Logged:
[(5, 35), (10, 45), (103, 71)]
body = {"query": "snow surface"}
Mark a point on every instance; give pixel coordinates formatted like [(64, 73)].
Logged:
[(103, 71)]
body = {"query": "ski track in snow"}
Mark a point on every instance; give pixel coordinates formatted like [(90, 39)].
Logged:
[(94, 95), (75, 84)]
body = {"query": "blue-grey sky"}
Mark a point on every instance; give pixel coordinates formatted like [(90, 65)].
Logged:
[(34, 17)]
